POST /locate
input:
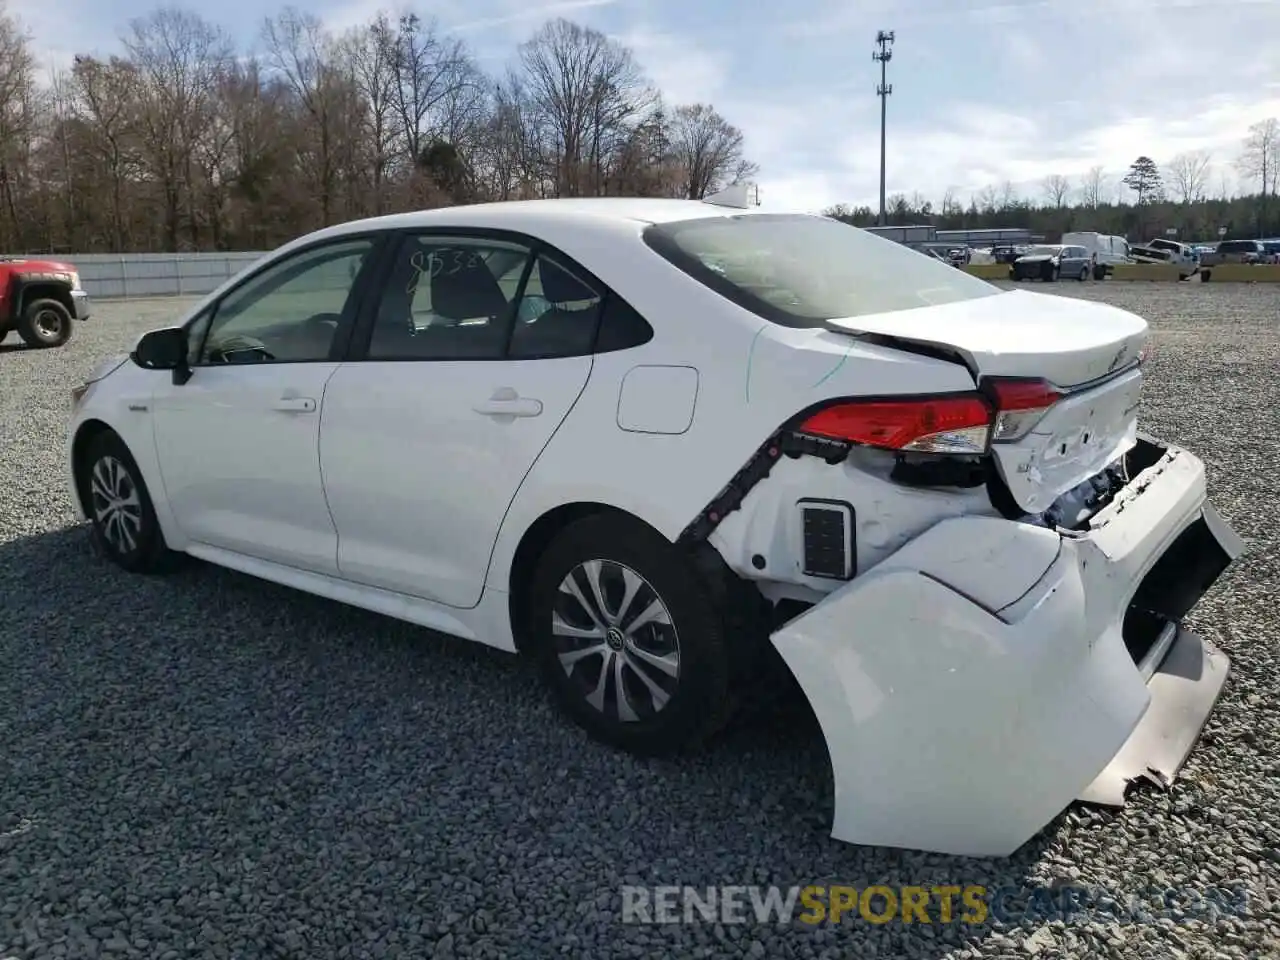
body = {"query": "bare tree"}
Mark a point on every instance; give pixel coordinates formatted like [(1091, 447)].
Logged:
[(302, 52), (1260, 162), (587, 89), (17, 93), (428, 70), (1188, 174), (1008, 196), (707, 147), (1056, 187), (370, 52), (179, 58), (175, 142), (1093, 187), (107, 98)]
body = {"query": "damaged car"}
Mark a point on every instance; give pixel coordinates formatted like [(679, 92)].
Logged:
[(683, 453)]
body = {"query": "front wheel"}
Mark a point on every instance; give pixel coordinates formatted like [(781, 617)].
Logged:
[(115, 497), (628, 637), (1084, 274), (45, 323)]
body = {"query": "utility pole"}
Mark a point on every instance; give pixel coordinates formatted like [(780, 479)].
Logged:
[(884, 41)]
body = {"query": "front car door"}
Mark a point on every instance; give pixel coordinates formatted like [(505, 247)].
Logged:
[(474, 355), (238, 443)]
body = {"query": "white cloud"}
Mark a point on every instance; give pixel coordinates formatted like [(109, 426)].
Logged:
[(985, 91)]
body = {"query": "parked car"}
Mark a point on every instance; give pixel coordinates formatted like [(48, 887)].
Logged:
[(1271, 251), (40, 299), (1159, 250), (1235, 251), (1107, 250), (721, 441), (1052, 262)]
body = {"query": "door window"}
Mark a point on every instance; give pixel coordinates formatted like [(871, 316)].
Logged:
[(449, 299), (558, 314), (290, 312)]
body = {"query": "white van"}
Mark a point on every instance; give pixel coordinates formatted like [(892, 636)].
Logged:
[(1107, 250)]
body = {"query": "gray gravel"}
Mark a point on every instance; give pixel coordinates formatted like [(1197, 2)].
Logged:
[(210, 766)]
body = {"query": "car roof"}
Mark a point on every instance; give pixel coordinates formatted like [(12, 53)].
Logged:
[(540, 215)]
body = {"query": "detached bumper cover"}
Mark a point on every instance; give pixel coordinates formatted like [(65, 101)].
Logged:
[(81, 307), (966, 701)]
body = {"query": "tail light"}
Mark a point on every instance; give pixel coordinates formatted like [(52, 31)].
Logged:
[(1020, 405), (958, 423), (954, 423)]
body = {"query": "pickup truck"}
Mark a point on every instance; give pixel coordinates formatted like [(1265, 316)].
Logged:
[(41, 299)]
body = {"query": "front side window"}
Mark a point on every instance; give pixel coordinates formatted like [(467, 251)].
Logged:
[(801, 271), (289, 312)]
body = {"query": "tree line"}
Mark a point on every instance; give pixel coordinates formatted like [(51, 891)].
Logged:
[(1189, 194), (179, 142)]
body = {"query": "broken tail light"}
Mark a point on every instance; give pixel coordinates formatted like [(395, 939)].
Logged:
[(950, 423), (959, 423), (1020, 405)]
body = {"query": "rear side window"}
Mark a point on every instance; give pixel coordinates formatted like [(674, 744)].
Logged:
[(1238, 246), (800, 271)]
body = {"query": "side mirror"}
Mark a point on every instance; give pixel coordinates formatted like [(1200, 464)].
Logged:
[(164, 349)]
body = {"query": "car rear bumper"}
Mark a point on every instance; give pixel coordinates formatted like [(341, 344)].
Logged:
[(81, 307), (961, 719)]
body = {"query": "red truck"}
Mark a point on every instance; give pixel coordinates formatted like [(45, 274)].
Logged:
[(41, 299)]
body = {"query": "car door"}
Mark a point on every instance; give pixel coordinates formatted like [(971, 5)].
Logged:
[(470, 360), (238, 442)]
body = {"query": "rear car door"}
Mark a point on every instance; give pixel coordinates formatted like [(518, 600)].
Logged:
[(463, 369)]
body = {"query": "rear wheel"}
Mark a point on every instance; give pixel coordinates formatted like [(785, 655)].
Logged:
[(125, 529), (1084, 274), (45, 323), (628, 637)]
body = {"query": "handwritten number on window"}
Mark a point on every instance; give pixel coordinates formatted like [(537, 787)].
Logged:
[(437, 264)]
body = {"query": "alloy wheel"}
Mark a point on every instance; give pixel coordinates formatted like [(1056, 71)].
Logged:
[(614, 638), (117, 507)]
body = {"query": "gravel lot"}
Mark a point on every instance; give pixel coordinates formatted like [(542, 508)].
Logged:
[(206, 765)]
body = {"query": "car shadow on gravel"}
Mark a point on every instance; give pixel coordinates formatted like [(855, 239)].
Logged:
[(180, 705)]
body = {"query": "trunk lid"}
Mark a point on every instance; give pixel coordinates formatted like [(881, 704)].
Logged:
[(1086, 350)]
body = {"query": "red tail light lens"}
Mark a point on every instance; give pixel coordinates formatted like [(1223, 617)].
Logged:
[(1020, 405), (958, 423)]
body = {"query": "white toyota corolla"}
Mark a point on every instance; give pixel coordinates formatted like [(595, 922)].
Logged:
[(651, 443)]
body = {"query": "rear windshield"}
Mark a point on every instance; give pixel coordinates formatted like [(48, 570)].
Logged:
[(801, 271)]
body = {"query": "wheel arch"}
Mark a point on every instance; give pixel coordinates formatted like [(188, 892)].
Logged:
[(533, 544), (43, 290), (85, 434), (706, 560)]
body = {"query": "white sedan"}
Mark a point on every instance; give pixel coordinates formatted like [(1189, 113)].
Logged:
[(655, 443)]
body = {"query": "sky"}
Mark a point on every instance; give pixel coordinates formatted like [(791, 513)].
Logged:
[(984, 91)]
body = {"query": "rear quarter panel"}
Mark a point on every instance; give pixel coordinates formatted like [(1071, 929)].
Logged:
[(753, 375)]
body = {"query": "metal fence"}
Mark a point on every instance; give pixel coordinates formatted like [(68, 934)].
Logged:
[(106, 275)]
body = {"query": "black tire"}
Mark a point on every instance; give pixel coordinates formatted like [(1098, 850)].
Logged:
[(45, 323), (1054, 274), (1099, 272), (108, 465), (1084, 274), (699, 696)]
